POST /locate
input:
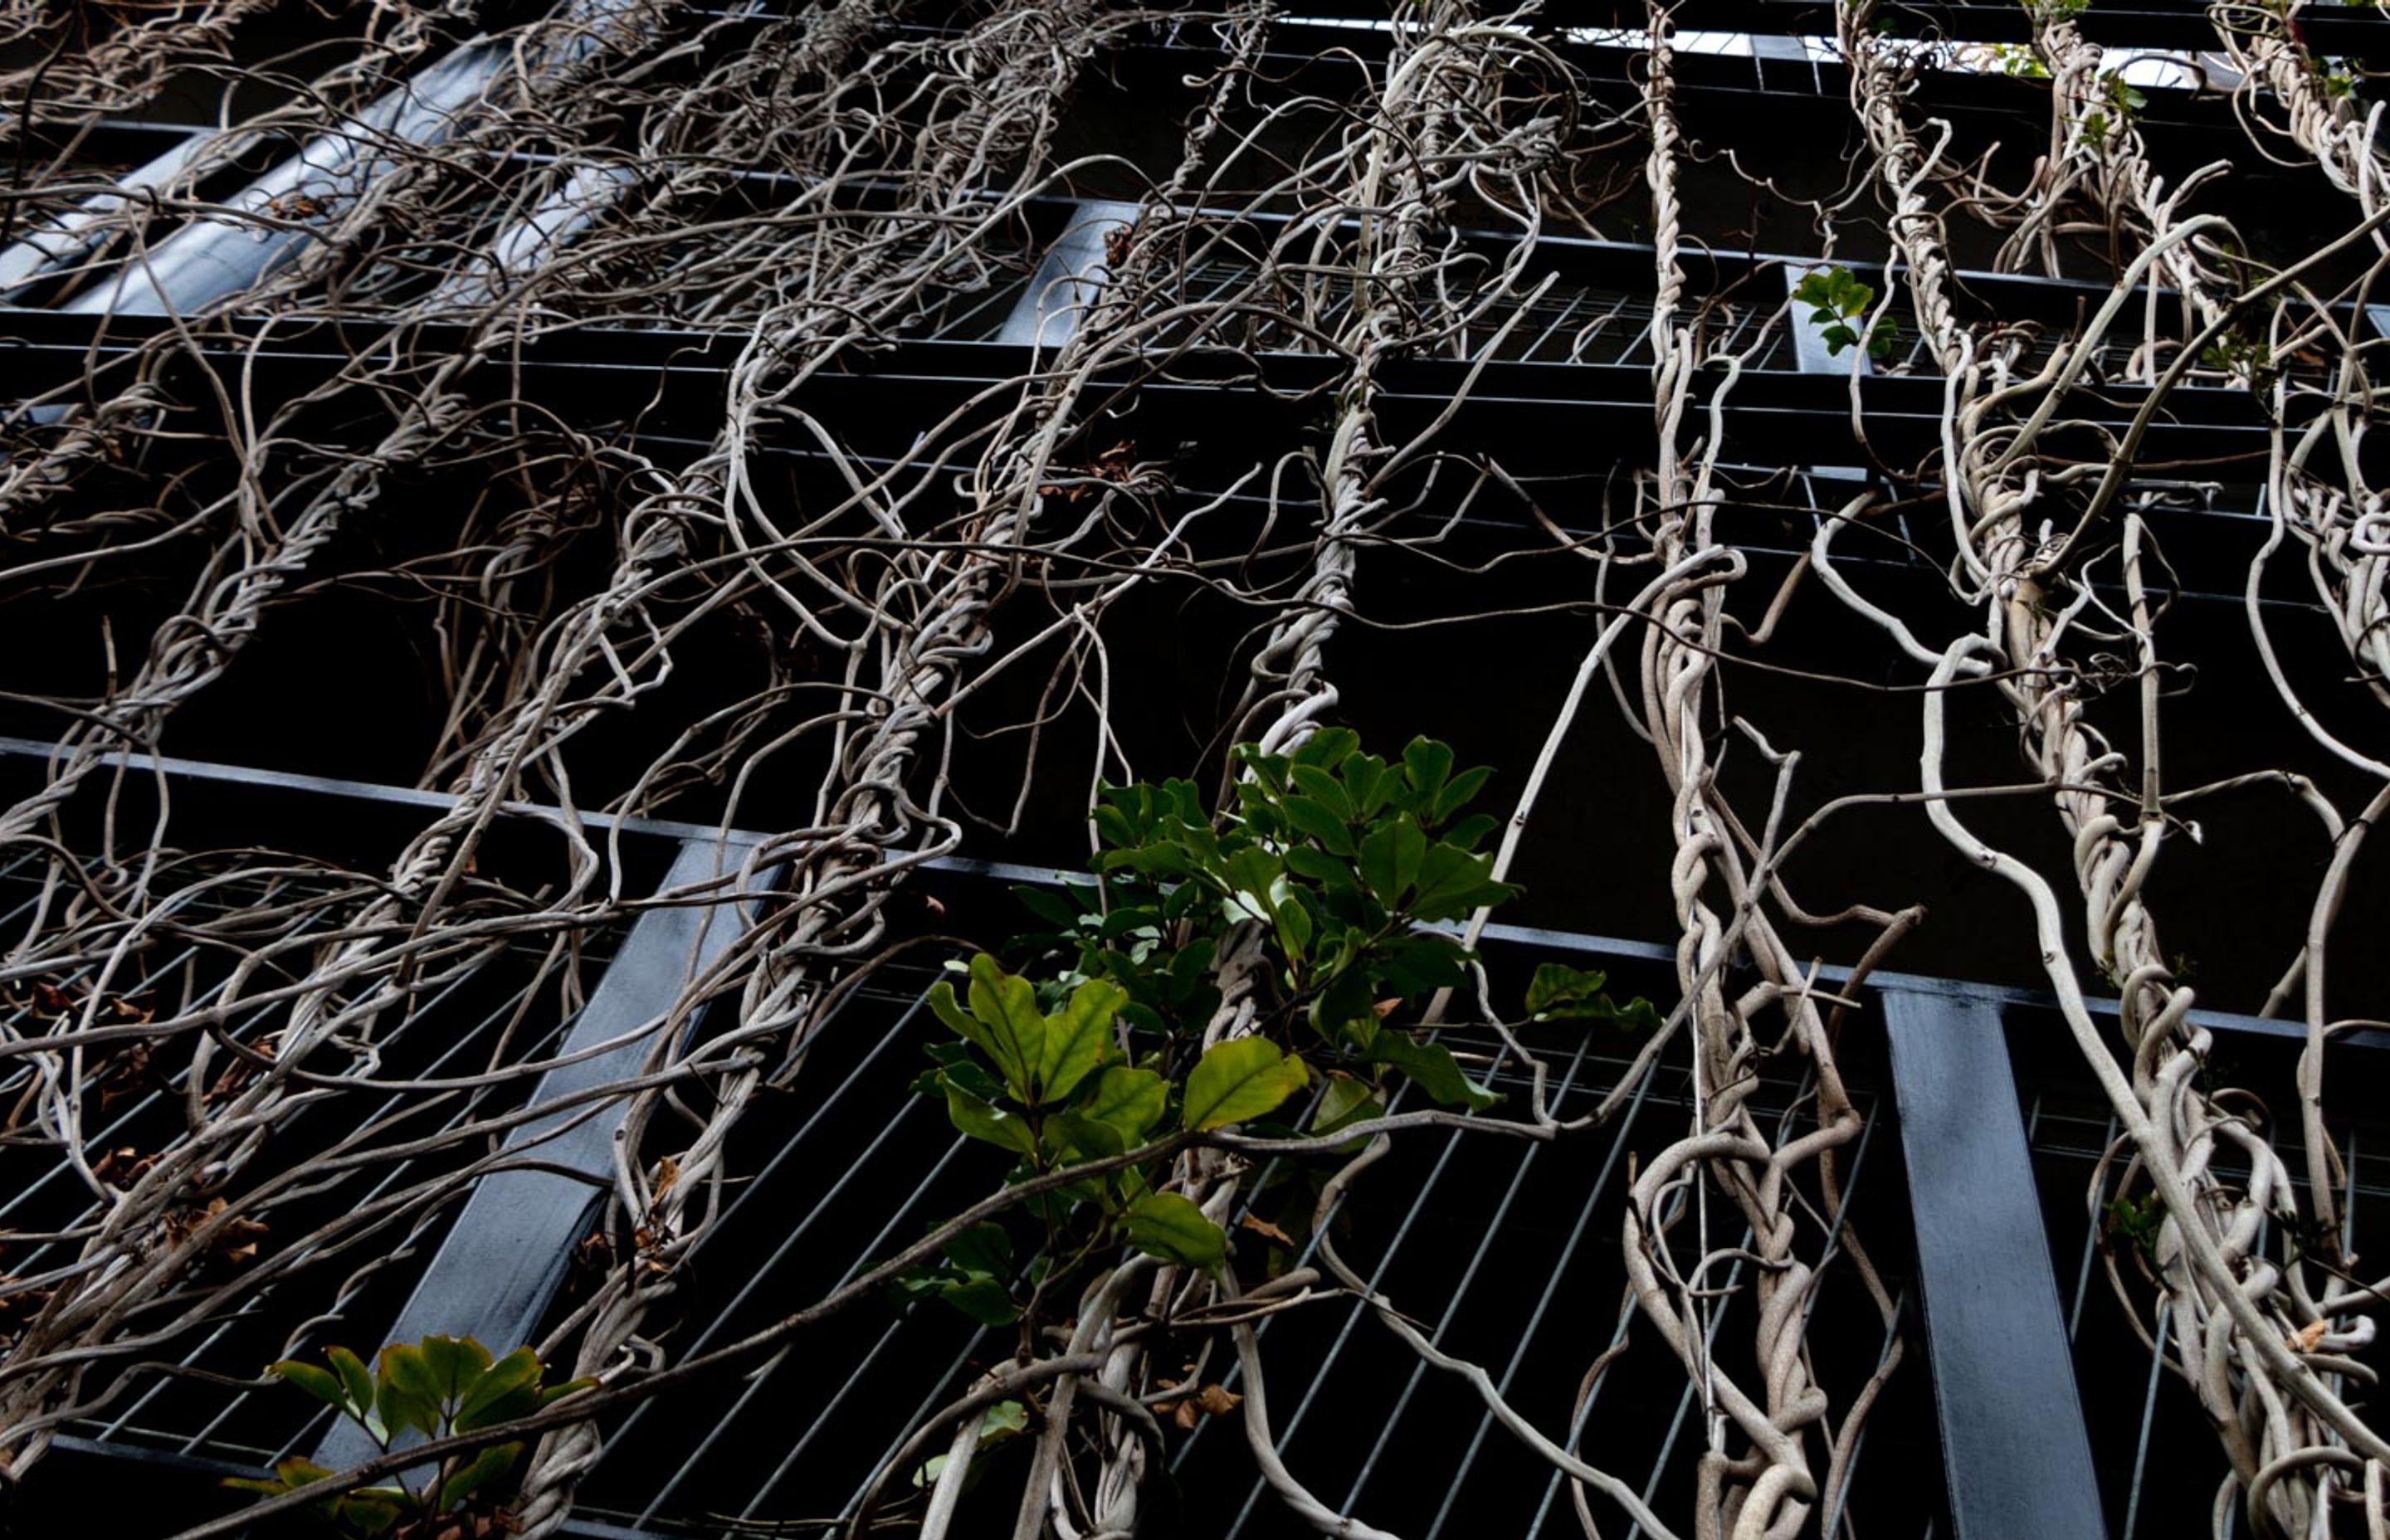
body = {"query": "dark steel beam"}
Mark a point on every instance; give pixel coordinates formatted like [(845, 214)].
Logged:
[(335, 791), (2018, 1458), (506, 1256), (1538, 414)]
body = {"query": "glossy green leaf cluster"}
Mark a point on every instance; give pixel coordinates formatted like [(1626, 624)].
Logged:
[(1331, 870), (1839, 305), (1340, 856), (1561, 994), (1332, 874), (1054, 1089), (2136, 1223), (439, 1386)]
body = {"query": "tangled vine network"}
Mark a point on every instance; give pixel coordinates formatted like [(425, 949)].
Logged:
[(823, 434)]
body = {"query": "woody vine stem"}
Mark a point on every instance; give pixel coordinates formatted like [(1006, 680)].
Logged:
[(909, 648)]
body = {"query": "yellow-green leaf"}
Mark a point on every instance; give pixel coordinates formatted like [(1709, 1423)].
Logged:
[(1131, 1100), (1430, 1065), (1006, 1006), (1167, 1226), (355, 1377), (509, 1389), (485, 1467), (321, 1383), (1078, 1037), (1238, 1081), (984, 1121), (454, 1365)]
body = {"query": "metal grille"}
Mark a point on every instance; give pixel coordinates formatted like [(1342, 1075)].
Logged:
[(968, 302), (1504, 1250), (1570, 322), (2140, 1417), (1506, 1253), (184, 1393)]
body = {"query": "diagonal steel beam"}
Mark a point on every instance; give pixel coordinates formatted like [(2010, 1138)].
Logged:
[(506, 1256), (2018, 1459)]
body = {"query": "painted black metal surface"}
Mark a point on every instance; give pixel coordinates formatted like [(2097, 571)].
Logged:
[(2012, 1437)]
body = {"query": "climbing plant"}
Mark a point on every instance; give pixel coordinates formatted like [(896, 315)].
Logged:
[(440, 1386), (1322, 890)]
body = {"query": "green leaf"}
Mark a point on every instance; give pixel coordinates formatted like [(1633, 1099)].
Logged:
[(1426, 765), (1452, 882), (356, 1379), (1371, 786), (1149, 861), (985, 1121), (1003, 1420), (1253, 871), (1317, 819), (1184, 800), (1144, 1019), (1262, 813), (1459, 793), (398, 1410), (1325, 789), (1190, 970), (1346, 1101), (1433, 1068), (983, 1300), (1113, 824), (1075, 1136), (1269, 769), (1170, 1226), (404, 1391), (297, 1472), (1131, 1100), (1329, 871), (1389, 858), (484, 1468), (1636, 1015), (1345, 1001), (1182, 899), (1005, 1006), (454, 1365), (959, 1066), (1556, 985), (1239, 1079), (949, 1010), (1563, 993), (322, 1384), (1129, 919), (1293, 927), (371, 1510), (981, 1249), (1327, 746), (499, 1391), (1420, 963), (554, 1394), (1077, 1038), (1469, 831)]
